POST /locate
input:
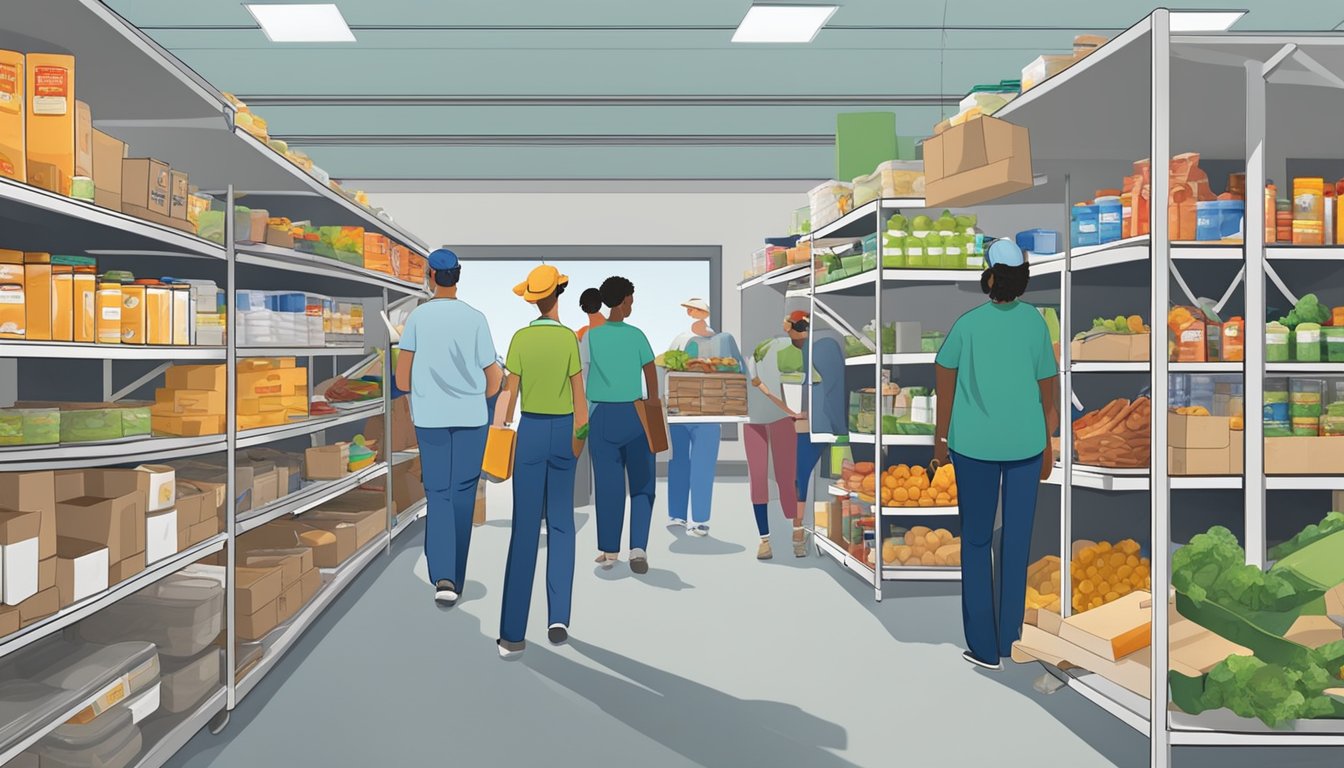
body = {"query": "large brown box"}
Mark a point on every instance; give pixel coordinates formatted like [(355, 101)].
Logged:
[(293, 563), (127, 568), (1304, 456), (104, 521), (146, 183), (706, 394), (1203, 445), (255, 587), (254, 626), (33, 492), (975, 162), (1112, 347), (327, 462), (403, 430), (179, 186), (108, 152)]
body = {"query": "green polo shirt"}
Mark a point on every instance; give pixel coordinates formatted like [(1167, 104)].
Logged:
[(1000, 352), (617, 355), (544, 355)]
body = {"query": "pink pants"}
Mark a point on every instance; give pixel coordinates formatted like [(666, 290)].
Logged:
[(781, 439)]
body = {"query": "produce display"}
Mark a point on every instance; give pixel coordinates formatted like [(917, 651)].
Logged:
[(921, 242), (1117, 435), (922, 547), (908, 411), (906, 486), (1310, 333), (859, 478), (701, 392), (1102, 572), (1284, 679), (1043, 581), (1120, 324)]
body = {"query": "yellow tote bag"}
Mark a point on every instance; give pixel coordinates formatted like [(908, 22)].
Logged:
[(497, 464)]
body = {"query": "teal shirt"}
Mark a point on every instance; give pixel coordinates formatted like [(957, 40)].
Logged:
[(453, 347), (617, 355), (1000, 352)]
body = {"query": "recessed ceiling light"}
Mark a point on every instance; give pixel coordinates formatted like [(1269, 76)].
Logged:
[(1204, 21), (782, 23), (306, 23)]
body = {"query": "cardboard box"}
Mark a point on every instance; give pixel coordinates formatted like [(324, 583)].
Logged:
[(332, 543), (83, 140), (146, 183), (255, 587), (187, 426), (127, 568), (289, 602), (1204, 445), (99, 520), (1304, 456), (1314, 631), (327, 462), (120, 483), (367, 524), (293, 563), (108, 153), (265, 488), (34, 492), (50, 127), (252, 627), (1132, 672), (179, 186), (161, 536), (1114, 630), (281, 238), (1112, 347), (39, 606), (281, 381), (162, 489), (9, 620), (203, 530), (46, 573), (1194, 649), (13, 85), (81, 570), (18, 555), (47, 176), (209, 495), (976, 162), (194, 505), (204, 402), (311, 583), (403, 429)]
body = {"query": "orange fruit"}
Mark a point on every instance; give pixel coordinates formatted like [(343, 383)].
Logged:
[(899, 495)]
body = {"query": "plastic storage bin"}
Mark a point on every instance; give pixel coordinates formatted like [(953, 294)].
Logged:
[(182, 615), (990, 98), (186, 682), (1110, 215), (1232, 216), (1084, 226), (111, 740), (894, 178), (1039, 241), (1208, 220), (830, 201)]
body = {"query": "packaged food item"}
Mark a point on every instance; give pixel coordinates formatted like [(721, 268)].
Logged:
[(158, 312), (1231, 217), (1186, 326), (1276, 400), (133, 313), (894, 178), (1043, 68), (50, 127), (1308, 211), (195, 205), (62, 302), (1304, 398), (1234, 340), (1276, 343), (1208, 220), (108, 321), (85, 304), (1085, 225), (1307, 342), (933, 252), (914, 252), (1085, 45), (1305, 426), (830, 201), (1283, 216), (1110, 215), (13, 307), (1213, 341), (1333, 343), (13, 84), (37, 296), (1271, 220)]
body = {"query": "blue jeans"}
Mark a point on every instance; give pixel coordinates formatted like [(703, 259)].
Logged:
[(809, 453), (980, 485), (690, 473), (450, 461), (543, 482), (620, 451)]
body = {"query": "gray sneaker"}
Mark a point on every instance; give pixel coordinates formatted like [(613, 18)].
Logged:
[(639, 561)]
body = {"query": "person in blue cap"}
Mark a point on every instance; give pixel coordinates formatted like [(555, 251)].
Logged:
[(998, 404), (447, 361)]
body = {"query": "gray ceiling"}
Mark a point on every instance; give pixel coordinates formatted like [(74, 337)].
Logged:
[(625, 89)]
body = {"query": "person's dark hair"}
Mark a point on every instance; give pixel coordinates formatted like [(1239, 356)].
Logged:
[(590, 301), (614, 290), (1009, 282), (547, 303), (448, 277)]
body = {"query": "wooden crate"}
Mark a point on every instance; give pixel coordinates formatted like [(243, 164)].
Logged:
[(706, 394)]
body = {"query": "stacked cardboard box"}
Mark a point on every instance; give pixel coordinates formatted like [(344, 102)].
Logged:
[(31, 492), (260, 478), (706, 394), (270, 392), (327, 462), (273, 584), (334, 531), (199, 512)]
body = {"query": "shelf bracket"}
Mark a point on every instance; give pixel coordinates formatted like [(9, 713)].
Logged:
[(1318, 69), (134, 385), (835, 319), (1277, 59), (1241, 275), (1180, 281), (1278, 283)]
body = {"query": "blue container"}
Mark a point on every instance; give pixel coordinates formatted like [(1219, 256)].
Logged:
[(1233, 213), (1039, 241), (1110, 218), (1083, 226), (1209, 220)]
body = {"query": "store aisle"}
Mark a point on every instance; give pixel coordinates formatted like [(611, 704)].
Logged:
[(713, 659)]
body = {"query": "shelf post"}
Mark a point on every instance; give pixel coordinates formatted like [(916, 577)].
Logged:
[(389, 378), (1160, 482), (1066, 418), (1254, 341), (231, 448), (879, 452)]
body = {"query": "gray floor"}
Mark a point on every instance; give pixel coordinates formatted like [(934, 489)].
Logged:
[(713, 659)]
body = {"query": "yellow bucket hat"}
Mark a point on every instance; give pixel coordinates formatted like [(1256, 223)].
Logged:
[(541, 282)]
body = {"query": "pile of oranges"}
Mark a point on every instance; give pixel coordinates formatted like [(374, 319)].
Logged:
[(906, 486)]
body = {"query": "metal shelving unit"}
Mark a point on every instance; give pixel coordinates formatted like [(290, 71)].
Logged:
[(145, 96)]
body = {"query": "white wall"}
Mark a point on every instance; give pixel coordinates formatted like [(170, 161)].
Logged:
[(736, 222)]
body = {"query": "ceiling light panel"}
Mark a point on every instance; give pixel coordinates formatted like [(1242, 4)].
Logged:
[(302, 23), (782, 23)]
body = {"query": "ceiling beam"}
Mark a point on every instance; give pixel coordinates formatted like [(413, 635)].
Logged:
[(432, 100), (542, 140)]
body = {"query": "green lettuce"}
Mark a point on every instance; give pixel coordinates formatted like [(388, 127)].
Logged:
[(1332, 523)]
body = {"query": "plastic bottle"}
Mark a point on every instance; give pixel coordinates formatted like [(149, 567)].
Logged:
[(914, 252), (954, 252), (933, 251)]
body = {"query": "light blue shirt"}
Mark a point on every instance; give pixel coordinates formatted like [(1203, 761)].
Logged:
[(448, 373)]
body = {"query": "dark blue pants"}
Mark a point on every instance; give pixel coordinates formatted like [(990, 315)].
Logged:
[(450, 462), (690, 473), (981, 485), (809, 453), (620, 451), (543, 482)]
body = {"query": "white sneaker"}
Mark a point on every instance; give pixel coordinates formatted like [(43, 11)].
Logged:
[(699, 530), (676, 522)]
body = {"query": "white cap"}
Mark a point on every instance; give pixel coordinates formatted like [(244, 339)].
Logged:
[(699, 304)]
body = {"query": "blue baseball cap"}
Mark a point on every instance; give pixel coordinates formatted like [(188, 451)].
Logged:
[(1005, 252), (442, 259)]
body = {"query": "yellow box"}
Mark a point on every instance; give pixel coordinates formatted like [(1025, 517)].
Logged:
[(202, 402), (37, 294), (85, 305), (257, 421), (200, 377), (50, 127), (13, 158), (255, 406), (13, 308), (282, 381), (133, 314), (252, 365), (62, 303), (188, 426)]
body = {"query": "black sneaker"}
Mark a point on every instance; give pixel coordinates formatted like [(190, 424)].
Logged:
[(445, 592), (558, 634)]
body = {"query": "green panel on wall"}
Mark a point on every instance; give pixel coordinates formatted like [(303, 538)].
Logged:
[(863, 141)]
